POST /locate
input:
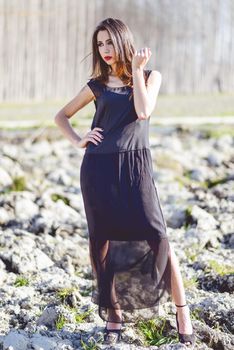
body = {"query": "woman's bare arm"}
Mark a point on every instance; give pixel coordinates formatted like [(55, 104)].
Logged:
[(84, 96), (145, 97)]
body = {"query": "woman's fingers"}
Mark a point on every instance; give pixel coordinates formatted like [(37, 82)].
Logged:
[(94, 135), (91, 139), (143, 52)]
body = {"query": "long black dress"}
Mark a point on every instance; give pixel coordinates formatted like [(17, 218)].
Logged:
[(128, 242)]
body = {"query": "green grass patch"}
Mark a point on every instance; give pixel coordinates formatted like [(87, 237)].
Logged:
[(156, 331), (196, 314), (188, 216), (91, 344), (86, 292), (55, 197), (86, 275), (183, 181), (215, 182), (192, 252), (165, 161), (187, 174), (64, 293), (18, 184), (21, 281), (217, 132), (220, 269), (190, 283), (167, 105), (60, 322), (80, 316)]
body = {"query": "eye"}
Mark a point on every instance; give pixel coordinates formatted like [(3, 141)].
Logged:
[(109, 43)]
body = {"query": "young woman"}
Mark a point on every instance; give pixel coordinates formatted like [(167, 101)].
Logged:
[(133, 264)]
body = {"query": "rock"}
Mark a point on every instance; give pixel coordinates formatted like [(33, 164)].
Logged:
[(60, 177), (200, 237), (227, 224), (216, 283), (52, 279), (4, 216), (11, 165), (215, 339), (203, 219), (5, 179), (229, 240), (224, 143), (25, 209), (39, 342), (174, 215), (15, 341), (10, 151), (38, 149), (203, 229), (59, 212), (66, 264), (48, 317), (215, 159), (19, 340), (216, 310), (2, 272), (24, 257), (42, 261), (201, 173)]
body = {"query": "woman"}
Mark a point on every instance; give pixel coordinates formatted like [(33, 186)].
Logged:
[(134, 266)]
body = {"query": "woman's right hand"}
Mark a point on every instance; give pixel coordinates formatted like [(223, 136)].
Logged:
[(92, 136)]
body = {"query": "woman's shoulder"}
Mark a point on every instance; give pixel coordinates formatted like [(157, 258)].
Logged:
[(154, 72), (95, 86), (94, 79)]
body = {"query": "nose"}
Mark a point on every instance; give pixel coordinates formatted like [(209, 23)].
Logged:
[(106, 49)]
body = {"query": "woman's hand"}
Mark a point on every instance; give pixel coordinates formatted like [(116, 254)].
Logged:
[(92, 136), (141, 57)]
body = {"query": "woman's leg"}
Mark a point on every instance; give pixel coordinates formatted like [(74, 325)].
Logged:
[(177, 286), (98, 255), (178, 295)]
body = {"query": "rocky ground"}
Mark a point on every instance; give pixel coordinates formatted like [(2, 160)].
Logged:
[(45, 274)]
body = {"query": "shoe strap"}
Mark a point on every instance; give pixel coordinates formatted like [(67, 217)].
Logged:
[(180, 305)]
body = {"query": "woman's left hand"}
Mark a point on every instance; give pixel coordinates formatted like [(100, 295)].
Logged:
[(141, 57)]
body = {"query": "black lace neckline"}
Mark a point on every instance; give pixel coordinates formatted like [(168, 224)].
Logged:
[(116, 87)]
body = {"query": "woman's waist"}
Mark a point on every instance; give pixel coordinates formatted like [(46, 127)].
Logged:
[(110, 145)]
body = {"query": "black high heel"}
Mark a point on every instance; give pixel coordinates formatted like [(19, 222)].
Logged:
[(111, 336), (185, 338)]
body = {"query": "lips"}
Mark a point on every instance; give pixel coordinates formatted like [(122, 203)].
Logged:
[(107, 58)]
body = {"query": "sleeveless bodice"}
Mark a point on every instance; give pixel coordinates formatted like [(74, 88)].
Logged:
[(115, 113)]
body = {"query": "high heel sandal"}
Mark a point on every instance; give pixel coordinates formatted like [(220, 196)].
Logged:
[(185, 338), (111, 336)]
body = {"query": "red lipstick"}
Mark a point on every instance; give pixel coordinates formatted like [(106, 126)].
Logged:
[(107, 58)]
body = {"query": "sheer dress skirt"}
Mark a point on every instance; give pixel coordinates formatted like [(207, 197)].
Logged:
[(128, 242)]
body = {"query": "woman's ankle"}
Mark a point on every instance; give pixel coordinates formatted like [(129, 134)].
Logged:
[(114, 316)]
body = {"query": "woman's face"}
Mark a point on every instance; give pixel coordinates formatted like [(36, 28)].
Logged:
[(106, 47)]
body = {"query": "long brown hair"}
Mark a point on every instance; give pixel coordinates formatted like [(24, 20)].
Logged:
[(123, 43)]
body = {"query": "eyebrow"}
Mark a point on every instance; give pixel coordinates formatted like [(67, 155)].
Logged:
[(99, 41)]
